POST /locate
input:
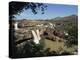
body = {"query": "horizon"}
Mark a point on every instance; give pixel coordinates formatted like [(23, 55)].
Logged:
[(47, 19), (52, 11)]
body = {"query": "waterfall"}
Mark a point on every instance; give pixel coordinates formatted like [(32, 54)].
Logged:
[(36, 36), (66, 33), (16, 26), (51, 25)]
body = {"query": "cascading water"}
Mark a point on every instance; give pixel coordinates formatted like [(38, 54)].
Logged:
[(16, 26), (51, 25), (36, 36), (66, 33)]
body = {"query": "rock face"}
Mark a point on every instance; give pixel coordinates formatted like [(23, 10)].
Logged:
[(25, 23), (51, 34), (47, 34), (22, 34)]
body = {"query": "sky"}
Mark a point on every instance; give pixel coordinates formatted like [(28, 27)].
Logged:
[(52, 11)]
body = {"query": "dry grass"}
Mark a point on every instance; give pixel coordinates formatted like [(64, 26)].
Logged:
[(59, 46), (53, 45)]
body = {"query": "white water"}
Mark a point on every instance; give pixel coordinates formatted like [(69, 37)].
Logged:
[(66, 33), (16, 26), (36, 36), (52, 25)]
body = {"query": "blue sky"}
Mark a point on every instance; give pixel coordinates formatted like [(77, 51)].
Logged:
[(53, 10)]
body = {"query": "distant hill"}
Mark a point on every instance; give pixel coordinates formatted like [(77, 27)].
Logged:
[(71, 17)]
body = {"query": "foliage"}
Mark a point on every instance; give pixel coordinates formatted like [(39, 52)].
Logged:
[(18, 7), (72, 38)]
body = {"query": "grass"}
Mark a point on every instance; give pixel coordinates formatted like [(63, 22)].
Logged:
[(59, 47), (53, 45)]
